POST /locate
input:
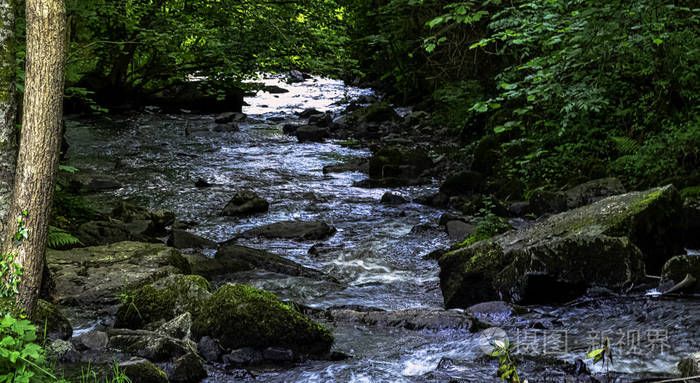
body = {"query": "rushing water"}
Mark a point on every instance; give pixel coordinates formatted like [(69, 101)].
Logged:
[(375, 256)]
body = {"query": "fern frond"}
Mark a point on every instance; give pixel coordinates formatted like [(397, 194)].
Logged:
[(625, 145), (59, 239)]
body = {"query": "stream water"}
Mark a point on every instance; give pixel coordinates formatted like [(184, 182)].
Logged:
[(377, 256)]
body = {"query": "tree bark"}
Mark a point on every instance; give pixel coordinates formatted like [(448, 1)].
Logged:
[(8, 129), (37, 161)]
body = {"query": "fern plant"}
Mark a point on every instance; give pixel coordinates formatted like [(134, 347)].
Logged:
[(61, 239)]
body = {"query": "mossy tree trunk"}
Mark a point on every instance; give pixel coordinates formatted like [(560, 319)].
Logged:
[(37, 160), (8, 130)]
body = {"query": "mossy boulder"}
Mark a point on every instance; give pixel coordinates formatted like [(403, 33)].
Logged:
[(608, 243), (375, 113), (163, 300), (47, 317), (243, 316), (92, 277), (142, 371)]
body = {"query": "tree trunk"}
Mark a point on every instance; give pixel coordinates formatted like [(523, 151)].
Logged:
[(8, 130), (37, 161)]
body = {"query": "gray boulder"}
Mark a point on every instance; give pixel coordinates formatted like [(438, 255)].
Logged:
[(245, 203), (302, 230), (182, 239), (311, 133), (609, 243), (95, 276)]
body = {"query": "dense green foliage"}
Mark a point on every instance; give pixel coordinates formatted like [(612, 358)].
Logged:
[(573, 89)]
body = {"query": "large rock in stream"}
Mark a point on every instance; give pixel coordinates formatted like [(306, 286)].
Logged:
[(243, 316), (608, 243), (232, 258), (95, 276), (302, 230)]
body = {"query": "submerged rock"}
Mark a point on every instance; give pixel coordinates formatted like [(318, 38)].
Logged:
[(245, 203), (95, 276), (304, 230), (243, 316), (163, 300), (412, 319), (558, 258)]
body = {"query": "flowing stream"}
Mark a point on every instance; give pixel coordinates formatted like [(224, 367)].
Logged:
[(377, 255)]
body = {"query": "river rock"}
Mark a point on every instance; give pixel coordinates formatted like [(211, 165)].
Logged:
[(311, 133), (209, 349), (412, 319), (274, 89), (677, 268), (598, 244), (181, 239), (306, 113), (390, 198), (592, 191), (188, 368), (163, 300), (543, 202), (233, 258), (147, 344), (96, 233), (140, 370), (225, 118), (458, 231), (302, 230), (179, 327), (294, 76), (230, 127), (87, 181), (243, 316), (322, 119), (245, 203), (95, 276), (243, 357), (290, 129), (399, 166), (463, 183), (360, 165), (375, 113), (48, 318), (91, 340)]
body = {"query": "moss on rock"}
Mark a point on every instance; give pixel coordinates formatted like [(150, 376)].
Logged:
[(163, 299), (243, 316), (598, 244)]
